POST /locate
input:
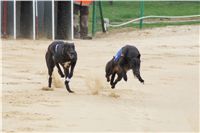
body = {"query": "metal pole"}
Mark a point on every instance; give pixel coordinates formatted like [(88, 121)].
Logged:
[(72, 20), (94, 19), (5, 8), (1, 64), (0, 21), (14, 19), (33, 19), (36, 8), (53, 28), (101, 14), (141, 12)]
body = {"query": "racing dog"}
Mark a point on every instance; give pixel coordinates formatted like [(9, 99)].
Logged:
[(64, 54), (127, 58)]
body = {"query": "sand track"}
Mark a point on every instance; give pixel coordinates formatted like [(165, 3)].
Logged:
[(167, 102)]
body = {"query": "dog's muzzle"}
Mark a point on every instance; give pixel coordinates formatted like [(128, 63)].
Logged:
[(71, 56)]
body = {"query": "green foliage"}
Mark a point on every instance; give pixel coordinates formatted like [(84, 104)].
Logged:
[(122, 11)]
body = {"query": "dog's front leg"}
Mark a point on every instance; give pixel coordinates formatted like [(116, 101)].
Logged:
[(124, 75), (73, 64), (108, 77), (59, 70), (117, 80), (66, 70), (112, 79)]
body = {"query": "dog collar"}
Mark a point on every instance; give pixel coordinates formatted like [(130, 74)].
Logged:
[(56, 48), (118, 55)]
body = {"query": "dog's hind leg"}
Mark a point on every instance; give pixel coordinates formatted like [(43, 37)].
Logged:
[(67, 80), (50, 71), (50, 66), (135, 64), (137, 74)]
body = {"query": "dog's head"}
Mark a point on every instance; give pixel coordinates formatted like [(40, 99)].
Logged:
[(109, 67), (69, 50)]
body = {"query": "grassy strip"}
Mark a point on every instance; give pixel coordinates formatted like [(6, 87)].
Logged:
[(127, 10)]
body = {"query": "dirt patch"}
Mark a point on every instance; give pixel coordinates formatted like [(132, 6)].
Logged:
[(169, 66)]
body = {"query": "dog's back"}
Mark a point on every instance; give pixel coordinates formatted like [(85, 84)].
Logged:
[(131, 51)]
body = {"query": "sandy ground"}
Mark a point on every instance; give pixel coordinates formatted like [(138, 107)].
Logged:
[(168, 101)]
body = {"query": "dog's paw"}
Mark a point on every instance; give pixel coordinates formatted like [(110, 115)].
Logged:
[(71, 91), (61, 74), (113, 86), (125, 79), (142, 81)]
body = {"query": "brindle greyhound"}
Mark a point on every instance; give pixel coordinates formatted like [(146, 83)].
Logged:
[(62, 53), (127, 58)]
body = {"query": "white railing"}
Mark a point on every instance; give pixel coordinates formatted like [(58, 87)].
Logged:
[(147, 17)]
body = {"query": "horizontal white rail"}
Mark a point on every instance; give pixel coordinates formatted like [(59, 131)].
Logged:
[(145, 17)]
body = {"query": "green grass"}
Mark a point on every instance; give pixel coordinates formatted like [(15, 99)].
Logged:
[(127, 10)]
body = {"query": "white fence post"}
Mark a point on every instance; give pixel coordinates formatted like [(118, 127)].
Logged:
[(14, 4), (53, 25), (33, 19), (72, 19)]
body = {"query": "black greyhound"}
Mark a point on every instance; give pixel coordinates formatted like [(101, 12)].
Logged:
[(128, 57), (62, 53)]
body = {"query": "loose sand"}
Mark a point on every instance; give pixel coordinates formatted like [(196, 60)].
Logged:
[(168, 101)]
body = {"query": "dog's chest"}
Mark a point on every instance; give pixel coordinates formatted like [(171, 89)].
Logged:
[(66, 64)]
